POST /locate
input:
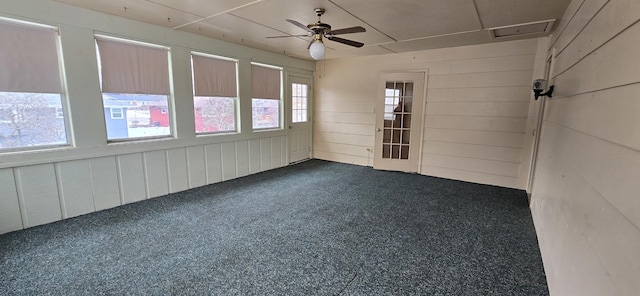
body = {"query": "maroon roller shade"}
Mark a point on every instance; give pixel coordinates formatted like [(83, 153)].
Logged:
[(29, 59), (265, 82), (214, 77), (133, 69)]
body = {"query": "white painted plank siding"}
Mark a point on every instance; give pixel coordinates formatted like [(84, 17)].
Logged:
[(276, 153), (214, 163), (106, 187), (477, 106), (10, 218), (131, 177), (157, 176), (75, 188), (284, 151), (585, 201), (265, 154), (178, 172), (255, 163), (469, 176), (480, 94), (228, 161), (612, 19), (38, 194), (242, 158), (197, 166), (476, 123)]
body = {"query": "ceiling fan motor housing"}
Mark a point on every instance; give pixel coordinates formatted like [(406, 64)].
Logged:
[(319, 28)]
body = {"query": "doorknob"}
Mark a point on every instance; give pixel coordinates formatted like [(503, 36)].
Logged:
[(290, 127), (378, 130)]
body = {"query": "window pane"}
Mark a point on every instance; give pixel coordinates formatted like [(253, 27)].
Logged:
[(31, 119), (265, 113), (299, 102), (215, 94), (130, 116), (215, 114)]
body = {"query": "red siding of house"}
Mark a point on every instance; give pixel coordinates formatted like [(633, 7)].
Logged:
[(157, 117), (200, 126)]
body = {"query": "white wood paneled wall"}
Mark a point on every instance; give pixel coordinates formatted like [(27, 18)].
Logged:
[(475, 118), (39, 194), (586, 189)]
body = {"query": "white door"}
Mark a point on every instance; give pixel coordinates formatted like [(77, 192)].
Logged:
[(299, 118), (399, 121)]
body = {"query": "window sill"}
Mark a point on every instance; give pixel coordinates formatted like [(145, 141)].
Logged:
[(119, 142), (205, 135), (275, 129), (36, 149)]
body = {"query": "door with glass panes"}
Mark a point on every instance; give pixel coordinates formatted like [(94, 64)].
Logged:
[(399, 121), (299, 118)]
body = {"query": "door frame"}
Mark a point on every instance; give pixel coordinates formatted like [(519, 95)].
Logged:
[(304, 78), (420, 88)]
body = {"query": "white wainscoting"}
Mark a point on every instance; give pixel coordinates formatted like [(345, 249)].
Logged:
[(39, 194)]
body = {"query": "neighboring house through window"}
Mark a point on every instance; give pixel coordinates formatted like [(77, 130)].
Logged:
[(116, 113), (135, 88)]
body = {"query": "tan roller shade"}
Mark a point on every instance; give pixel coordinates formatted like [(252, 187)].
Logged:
[(214, 77), (133, 69), (29, 59), (265, 82)]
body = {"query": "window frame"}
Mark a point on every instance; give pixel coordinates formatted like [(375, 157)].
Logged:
[(170, 96), (306, 103), (280, 100), (64, 100), (236, 100)]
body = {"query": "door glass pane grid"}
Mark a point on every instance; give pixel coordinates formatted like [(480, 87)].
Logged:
[(299, 100), (397, 119)]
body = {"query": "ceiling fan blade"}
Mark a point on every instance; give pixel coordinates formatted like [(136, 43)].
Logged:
[(299, 25), (285, 36), (350, 30), (346, 41)]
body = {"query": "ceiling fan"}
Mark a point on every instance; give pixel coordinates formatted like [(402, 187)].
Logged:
[(318, 30)]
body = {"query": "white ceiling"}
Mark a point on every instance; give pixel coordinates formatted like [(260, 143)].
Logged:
[(392, 25)]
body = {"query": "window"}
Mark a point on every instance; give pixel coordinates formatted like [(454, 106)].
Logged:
[(135, 88), (299, 98), (391, 100), (397, 119), (31, 113), (215, 92), (266, 82), (116, 113)]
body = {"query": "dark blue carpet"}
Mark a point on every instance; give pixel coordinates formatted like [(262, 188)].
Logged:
[(318, 227)]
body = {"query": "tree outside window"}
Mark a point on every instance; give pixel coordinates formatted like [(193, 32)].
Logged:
[(30, 119)]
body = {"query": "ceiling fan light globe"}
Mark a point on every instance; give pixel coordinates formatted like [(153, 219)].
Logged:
[(316, 50)]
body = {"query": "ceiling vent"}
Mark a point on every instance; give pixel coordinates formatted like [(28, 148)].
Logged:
[(539, 27)]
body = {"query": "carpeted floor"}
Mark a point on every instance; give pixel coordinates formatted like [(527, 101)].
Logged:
[(318, 227)]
